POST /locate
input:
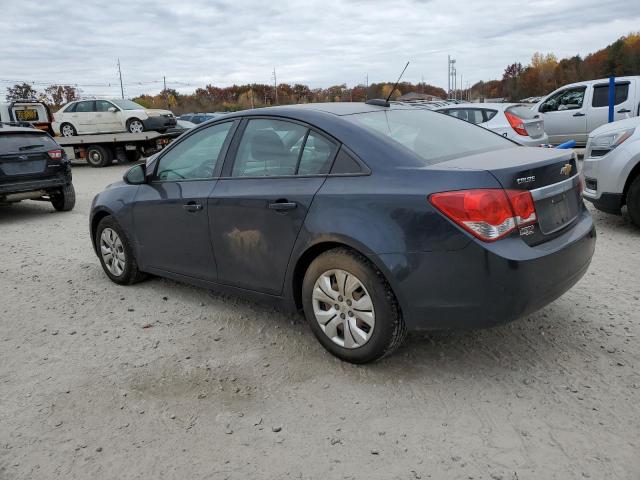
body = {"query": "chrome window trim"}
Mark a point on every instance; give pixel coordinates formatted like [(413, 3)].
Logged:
[(555, 189)]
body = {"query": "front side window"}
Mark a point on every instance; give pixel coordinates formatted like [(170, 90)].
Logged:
[(128, 105), (269, 148), (601, 95), (71, 108), (431, 136), (196, 156), (84, 107), (103, 106), (571, 99)]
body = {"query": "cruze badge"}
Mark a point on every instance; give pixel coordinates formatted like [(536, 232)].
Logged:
[(522, 180), (566, 170)]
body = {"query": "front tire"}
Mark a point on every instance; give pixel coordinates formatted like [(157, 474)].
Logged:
[(633, 201), (65, 199), (135, 125), (116, 253), (351, 308), (68, 130)]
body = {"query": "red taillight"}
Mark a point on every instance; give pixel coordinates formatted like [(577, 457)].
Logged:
[(516, 123), (488, 214), (55, 154)]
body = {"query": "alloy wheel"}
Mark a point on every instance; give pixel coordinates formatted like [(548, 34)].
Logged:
[(136, 126), (343, 308), (67, 130), (112, 251)]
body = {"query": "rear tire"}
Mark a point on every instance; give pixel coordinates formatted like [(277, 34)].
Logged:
[(98, 156), (68, 130), (125, 270), (387, 330), (633, 201), (65, 199)]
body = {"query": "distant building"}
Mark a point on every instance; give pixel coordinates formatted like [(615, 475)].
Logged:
[(411, 96)]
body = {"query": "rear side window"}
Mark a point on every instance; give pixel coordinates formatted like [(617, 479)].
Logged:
[(317, 155), (522, 112), (430, 135), (83, 107), (601, 94), (24, 142)]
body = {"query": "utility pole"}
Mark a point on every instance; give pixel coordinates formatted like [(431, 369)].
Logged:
[(366, 89), (275, 84), (451, 75), (120, 75), (164, 91)]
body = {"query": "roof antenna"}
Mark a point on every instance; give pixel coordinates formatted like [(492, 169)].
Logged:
[(385, 103)]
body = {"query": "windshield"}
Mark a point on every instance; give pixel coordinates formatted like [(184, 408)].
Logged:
[(432, 136), (21, 142), (128, 105)]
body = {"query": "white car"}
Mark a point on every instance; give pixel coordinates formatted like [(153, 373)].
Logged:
[(511, 120), (575, 110), (611, 168), (106, 116)]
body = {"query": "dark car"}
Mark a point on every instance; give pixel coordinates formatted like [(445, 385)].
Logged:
[(197, 118), (34, 167), (374, 220)]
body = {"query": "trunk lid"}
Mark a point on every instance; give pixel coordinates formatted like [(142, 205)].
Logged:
[(531, 121), (551, 175), (24, 154)]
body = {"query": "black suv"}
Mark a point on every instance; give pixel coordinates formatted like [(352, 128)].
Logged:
[(34, 167)]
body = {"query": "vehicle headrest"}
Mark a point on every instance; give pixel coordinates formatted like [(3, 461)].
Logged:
[(266, 146)]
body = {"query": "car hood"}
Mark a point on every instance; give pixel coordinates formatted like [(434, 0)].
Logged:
[(616, 126), (157, 111)]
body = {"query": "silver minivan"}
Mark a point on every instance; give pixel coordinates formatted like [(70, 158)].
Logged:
[(573, 111)]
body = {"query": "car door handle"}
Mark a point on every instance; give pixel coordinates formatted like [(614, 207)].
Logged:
[(192, 207), (624, 110), (282, 205), (579, 114)]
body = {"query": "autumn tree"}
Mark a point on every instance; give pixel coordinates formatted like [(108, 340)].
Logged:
[(20, 91)]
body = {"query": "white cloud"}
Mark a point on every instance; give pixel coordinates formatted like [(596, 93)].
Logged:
[(318, 42)]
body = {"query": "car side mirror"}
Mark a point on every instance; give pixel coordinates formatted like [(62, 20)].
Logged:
[(136, 175), (112, 109)]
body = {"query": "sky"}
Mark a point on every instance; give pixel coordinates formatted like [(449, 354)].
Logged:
[(316, 42)]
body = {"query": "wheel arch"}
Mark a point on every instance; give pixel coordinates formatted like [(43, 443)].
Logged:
[(635, 171), (95, 220), (312, 251)]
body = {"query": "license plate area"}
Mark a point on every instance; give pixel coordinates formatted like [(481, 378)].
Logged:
[(26, 115), (24, 167), (557, 211)]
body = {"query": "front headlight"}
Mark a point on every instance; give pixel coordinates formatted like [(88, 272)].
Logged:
[(603, 144)]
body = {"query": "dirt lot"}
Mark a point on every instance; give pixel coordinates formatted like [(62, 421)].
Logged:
[(162, 380)]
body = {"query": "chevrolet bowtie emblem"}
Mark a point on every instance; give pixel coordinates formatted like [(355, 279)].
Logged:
[(566, 170)]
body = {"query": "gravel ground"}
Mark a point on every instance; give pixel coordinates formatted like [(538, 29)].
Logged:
[(162, 380)]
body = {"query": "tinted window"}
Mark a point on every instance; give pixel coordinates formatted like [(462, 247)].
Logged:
[(83, 107), (571, 99), (316, 156), (22, 142), (345, 163), (196, 156), (489, 114), (431, 136), (601, 95), (103, 106), (471, 115), (269, 148)]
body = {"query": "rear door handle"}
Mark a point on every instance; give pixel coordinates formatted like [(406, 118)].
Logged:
[(624, 110), (579, 114), (192, 207), (282, 205)]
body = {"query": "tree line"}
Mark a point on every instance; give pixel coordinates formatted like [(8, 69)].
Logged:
[(542, 75)]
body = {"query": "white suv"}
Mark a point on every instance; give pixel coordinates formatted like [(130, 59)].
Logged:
[(612, 168), (106, 116)]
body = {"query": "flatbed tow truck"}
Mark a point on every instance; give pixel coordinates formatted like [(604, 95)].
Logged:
[(104, 149)]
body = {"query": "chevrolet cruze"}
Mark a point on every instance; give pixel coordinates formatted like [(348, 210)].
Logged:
[(373, 219)]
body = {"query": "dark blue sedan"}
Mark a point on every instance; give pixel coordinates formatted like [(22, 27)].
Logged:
[(372, 219)]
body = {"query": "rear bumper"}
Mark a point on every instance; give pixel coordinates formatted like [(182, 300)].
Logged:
[(32, 185), (487, 284), (159, 123)]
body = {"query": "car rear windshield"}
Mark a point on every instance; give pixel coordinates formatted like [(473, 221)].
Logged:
[(128, 105), (432, 136), (520, 111), (23, 142)]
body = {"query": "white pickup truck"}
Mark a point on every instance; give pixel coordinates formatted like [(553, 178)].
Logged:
[(573, 111)]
